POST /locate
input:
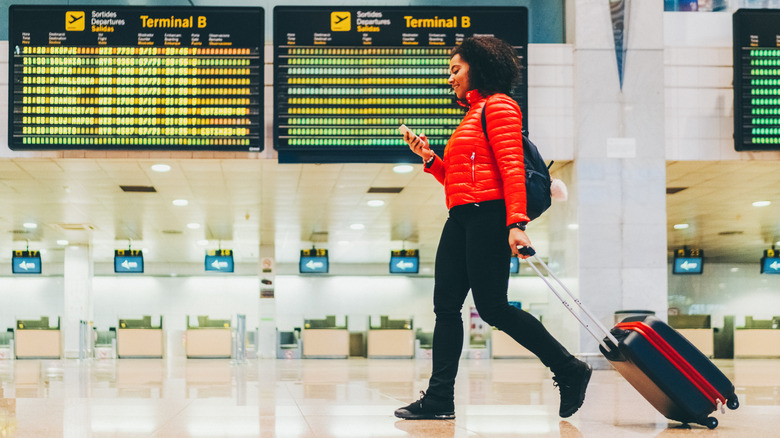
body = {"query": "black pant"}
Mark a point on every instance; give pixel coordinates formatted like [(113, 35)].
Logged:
[(474, 254)]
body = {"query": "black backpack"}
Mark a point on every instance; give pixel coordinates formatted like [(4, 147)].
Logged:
[(537, 175)]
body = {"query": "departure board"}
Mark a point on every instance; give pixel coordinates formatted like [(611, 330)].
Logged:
[(345, 78), (135, 78), (756, 79)]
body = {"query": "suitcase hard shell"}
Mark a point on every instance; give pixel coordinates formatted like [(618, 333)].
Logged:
[(670, 372), (666, 369)]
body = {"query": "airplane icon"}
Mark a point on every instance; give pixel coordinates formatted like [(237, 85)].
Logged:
[(340, 21), (74, 20)]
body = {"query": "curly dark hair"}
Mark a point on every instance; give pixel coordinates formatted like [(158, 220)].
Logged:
[(493, 64)]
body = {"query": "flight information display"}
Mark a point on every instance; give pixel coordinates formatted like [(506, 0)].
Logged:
[(345, 78), (135, 78), (756, 79)]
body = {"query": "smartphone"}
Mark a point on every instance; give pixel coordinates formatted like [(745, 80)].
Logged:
[(404, 129)]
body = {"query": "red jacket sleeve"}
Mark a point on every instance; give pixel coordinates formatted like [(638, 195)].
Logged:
[(504, 128), (436, 169)]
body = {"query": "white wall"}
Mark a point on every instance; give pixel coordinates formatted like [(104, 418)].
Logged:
[(30, 298)]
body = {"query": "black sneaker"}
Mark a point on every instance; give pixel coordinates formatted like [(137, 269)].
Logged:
[(427, 408), (572, 382)]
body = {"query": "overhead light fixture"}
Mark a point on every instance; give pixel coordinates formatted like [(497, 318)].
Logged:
[(62, 242), (161, 168), (30, 225), (203, 242), (681, 226), (403, 168), (180, 202), (573, 226), (762, 203), (357, 227), (375, 203), (193, 226)]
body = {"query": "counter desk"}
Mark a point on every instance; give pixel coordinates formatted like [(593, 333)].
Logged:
[(326, 343), (209, 343), (139, 343), (35, 339), (756, 343), (504, 347), (390, 343)]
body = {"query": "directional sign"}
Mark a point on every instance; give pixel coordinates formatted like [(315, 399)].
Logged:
[(219, 263), (404, 265), (688, 265), (770, 265), (26, 265), (128, 264), (514, 265), (313, 265)]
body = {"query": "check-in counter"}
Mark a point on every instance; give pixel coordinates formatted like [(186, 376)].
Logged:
[(35, 339), (209, 338), (758, 338), (324, 339), (138, 338), (391, 338), (697, 329), (504, 347)]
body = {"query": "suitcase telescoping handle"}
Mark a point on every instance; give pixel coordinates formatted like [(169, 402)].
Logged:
[(604, 332)]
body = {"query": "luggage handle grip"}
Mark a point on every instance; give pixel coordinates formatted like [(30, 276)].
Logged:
[(603, 329)]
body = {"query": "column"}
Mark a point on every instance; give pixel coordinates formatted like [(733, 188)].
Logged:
[(266, 342), (620, 167), (78, 275)]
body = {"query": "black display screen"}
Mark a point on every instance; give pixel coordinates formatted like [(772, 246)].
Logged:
[(756, 79), (135, 78), (345, 78)]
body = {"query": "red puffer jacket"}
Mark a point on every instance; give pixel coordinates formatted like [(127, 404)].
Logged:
[(473, 170)]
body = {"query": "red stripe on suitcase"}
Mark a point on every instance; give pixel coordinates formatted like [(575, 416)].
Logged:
[(676, 359)]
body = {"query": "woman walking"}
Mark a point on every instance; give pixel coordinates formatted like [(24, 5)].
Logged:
[(484, 183)]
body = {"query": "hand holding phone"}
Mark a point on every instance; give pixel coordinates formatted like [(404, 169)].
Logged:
[(417, 143), (405, 130)]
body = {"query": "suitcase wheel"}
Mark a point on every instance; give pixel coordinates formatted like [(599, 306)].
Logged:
[(732, 403), (711, 422)]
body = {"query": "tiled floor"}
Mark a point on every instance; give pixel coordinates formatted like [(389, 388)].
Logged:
[(343, 398)]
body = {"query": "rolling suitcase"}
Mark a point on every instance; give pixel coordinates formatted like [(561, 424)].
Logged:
[(671, 373)]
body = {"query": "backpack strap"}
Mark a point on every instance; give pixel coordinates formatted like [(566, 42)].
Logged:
[(484, 120)]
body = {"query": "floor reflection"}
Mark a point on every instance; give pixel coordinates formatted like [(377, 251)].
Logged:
[(342, 398)]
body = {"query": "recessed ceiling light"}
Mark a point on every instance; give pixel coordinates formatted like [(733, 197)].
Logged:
[(357, 227), (376, 203), (203, 242), (761, 203), (30, 225), (193, 226), (573, 226), (161, 168), (180, 202), (403, 168), (62, 242), (680, 226)]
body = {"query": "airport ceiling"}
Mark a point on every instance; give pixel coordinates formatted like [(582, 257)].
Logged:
[(241, 204)]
